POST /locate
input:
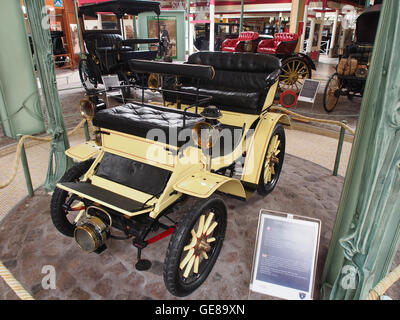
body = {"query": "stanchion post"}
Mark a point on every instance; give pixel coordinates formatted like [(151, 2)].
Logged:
[(86, 129), (339, 149), (25, 166)]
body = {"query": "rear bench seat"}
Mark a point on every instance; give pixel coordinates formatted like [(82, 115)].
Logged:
[(241, 80), (137, 119)]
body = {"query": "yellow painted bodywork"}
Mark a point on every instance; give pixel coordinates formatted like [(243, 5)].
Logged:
[(83, 151), (204, 183), (187, 165), (258, 145)]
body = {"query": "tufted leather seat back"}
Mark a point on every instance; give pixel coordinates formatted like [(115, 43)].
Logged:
[(103, 40), (241, 81), (237, 70)]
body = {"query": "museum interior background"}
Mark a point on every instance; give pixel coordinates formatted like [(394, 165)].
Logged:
[(343, 154)]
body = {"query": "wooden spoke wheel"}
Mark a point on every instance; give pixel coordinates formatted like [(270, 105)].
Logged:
[(273, 161), (195, 246), (332, 92), (293, 73), (88, 80), (65, 220)]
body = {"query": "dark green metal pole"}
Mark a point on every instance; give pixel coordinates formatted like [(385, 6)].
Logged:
[(339, 149), (241, 17), (86, 130), (366, 234), (25, 167)]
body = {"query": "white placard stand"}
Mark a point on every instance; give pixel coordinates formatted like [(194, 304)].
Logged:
[(285, 255)]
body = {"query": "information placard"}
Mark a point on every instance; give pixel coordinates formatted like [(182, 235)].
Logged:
[(309, 90), (285, 255)]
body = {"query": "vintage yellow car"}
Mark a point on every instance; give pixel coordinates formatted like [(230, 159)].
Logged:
[(213, 135)]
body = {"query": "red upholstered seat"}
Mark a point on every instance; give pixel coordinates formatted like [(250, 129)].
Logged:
[(248, 35), (283, 43), (229, 45), (232, 45)]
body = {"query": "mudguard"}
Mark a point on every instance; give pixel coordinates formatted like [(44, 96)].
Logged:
[(258, 146), (204, 183), (83, 151)]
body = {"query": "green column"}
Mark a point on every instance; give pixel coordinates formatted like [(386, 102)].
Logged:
[(367, 229), (20, 109), (241, 16), (45, 64)]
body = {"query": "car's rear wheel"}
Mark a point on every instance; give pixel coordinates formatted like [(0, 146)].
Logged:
[(63, 219), (294, 72), (195, 246), (273, 161)]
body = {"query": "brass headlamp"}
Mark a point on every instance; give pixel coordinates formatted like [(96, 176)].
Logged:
[(87, 109)]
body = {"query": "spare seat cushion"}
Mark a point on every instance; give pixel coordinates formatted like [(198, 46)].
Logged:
[(138, 120), (239, 84)]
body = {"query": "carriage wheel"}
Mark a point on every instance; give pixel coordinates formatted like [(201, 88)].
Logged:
[(195, 246), (293, 73), (88, 82), (123, 79), (64, 220), (273, 161), (332, 92)]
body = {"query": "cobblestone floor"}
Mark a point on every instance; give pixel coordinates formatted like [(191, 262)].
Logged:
[(29, 241)]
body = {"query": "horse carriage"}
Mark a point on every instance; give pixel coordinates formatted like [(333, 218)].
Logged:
[(352, 71), (107, 51), (296, 67), (213, 135)]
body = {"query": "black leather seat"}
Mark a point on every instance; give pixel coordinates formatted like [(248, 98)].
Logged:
[(138, 120), (241, 80)]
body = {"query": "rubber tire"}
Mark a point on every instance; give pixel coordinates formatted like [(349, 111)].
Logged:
[(177, 242), (57, 214), (326, 92), (80, 69), (264, 189)]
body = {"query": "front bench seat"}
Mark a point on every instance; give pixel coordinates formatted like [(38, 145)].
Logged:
[(138, 120), (241, 82)]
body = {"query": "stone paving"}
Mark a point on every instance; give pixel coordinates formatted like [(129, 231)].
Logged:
[(29, 242)]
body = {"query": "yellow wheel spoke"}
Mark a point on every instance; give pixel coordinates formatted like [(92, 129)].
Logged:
[(201, 224), (196, 264), (208, 221), (187, 258), (211, 229), (211, 239), (273, 170), (189, 267), (204, 255)]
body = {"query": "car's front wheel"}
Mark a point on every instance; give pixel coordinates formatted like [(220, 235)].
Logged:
[(195, 246)]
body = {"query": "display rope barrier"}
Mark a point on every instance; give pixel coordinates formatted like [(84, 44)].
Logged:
[(384, 284), (14, 284), (341, 124), (19, 149)]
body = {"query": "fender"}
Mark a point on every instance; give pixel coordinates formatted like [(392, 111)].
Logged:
[(257, 147), (83, 151), (204, 183), (310, 63)]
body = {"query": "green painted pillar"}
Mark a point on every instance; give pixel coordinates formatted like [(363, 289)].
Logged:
[(367, 229), (58, 161), (20, 109), (241, 16)]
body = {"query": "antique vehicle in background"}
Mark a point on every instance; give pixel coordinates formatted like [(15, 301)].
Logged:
[(213, 135), (296, 67), (222, 31), (352, 71), (107, 52)]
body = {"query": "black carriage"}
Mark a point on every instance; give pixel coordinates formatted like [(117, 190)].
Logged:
[(108, 50), (352, 71)]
